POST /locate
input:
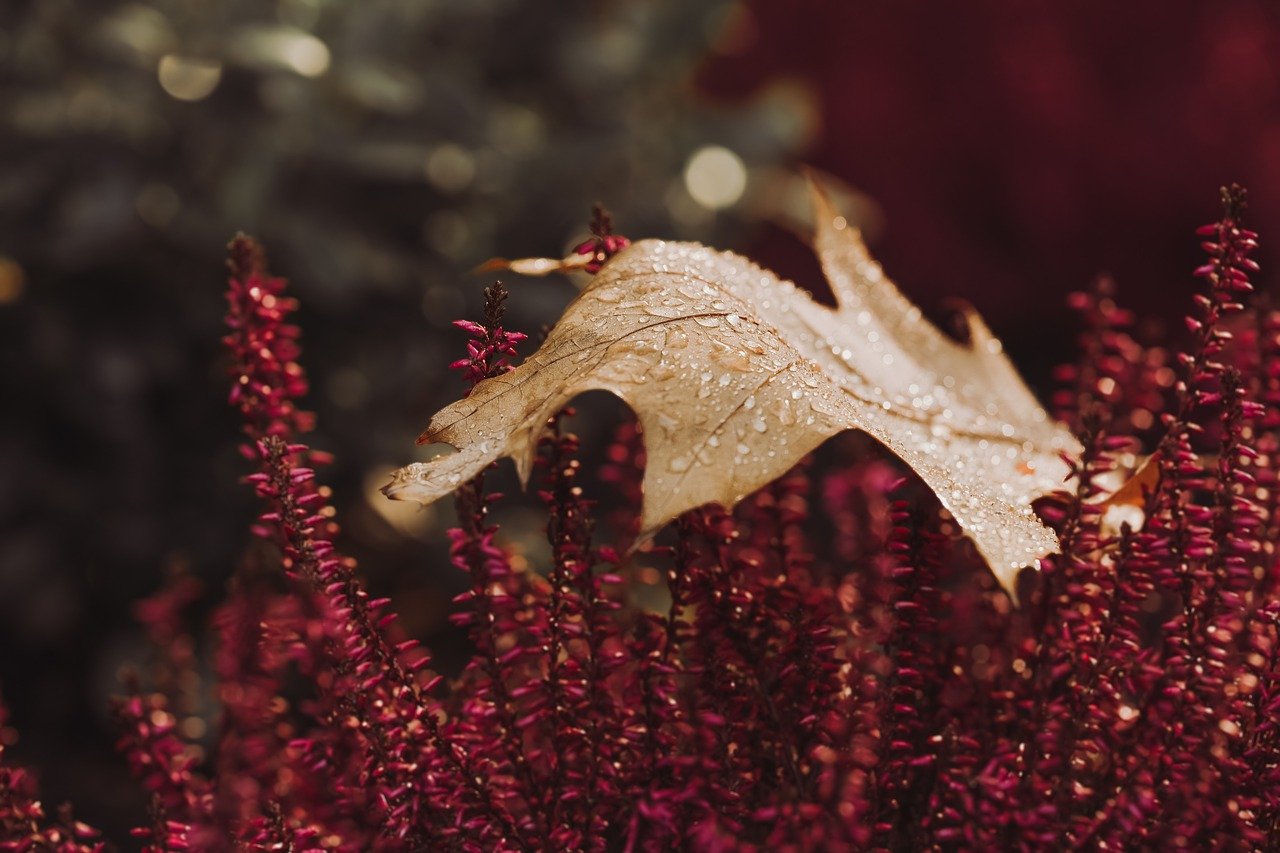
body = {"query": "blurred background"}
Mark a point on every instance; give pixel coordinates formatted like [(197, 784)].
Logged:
[(1002, 153)]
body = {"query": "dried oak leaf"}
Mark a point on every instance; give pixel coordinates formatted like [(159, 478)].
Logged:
[(736, 374)]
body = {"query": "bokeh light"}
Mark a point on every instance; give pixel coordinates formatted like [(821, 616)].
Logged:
[(715, 177), (188, 78)]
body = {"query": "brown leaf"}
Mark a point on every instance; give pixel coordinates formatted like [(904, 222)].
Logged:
[(736, 374), (1137, 486), (1133, 480)]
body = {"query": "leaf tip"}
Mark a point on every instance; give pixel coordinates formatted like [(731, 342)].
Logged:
[(824, 211), (400, 486), (533, 267), (491, 265)]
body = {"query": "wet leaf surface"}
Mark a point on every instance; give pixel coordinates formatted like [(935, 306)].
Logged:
[(735, 374)]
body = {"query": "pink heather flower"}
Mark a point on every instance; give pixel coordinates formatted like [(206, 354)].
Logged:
[(828, 667), (25, 824), (267, 379), (492, 347), (603, 243)]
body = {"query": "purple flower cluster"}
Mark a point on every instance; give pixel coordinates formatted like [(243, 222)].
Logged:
[(828, 666)]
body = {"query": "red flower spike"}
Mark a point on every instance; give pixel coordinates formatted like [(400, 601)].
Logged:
[(827, 668)]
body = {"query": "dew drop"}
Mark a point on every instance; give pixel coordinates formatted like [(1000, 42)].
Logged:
[(661, 372)]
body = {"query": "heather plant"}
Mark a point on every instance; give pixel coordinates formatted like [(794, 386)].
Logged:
[(834, 665)]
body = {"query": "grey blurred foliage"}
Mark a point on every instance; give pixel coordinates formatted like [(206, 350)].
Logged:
[(380, 149), (379, 143)]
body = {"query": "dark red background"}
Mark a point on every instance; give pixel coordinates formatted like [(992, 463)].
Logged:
[(1017, 150)]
